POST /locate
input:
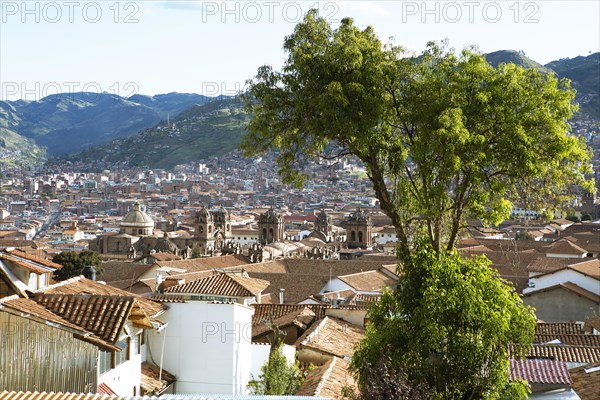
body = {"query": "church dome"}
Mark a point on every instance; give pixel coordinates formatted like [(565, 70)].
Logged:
[(137, 222), (164, 245)]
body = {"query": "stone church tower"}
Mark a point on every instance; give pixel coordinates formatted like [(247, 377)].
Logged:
[(270, 227), (213, 229), (359, 229)]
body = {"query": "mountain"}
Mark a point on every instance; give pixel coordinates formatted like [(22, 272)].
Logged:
[(16, 150), (511, 56), (70, 122), (584, 72), (211, 129)]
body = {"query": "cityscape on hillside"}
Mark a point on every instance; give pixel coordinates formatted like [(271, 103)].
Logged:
[(366, 222)]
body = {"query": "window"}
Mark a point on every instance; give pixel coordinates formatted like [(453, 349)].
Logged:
[(121, 356), (105, 362)]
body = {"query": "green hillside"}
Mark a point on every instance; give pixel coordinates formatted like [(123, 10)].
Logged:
[(18, 150), (211, 129)]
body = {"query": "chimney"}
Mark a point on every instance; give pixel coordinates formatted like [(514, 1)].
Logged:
[(281, 295), (89, 271)]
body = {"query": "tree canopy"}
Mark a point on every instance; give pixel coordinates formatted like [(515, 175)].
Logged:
[(73, 263), (444, 136), (448, 327)]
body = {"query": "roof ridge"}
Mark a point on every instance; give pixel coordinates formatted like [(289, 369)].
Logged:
[(325, 375)]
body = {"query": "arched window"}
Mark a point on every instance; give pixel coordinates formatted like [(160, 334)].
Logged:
[(264, 233), (360, 236), (201, 229), (271, 234), (353, 236), (140, 232), (210, 229)]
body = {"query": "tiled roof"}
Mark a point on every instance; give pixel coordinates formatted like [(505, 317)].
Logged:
[(586, 381), (570, 286), (368, 281), (565, 247), (81, 285), (540, 371), (575, 340), (301, 318), (575, 354), (590, 268), (30, 257), (222, 285), (102, 315), (150, 384), (208, 263), (558, 328), (103, 388), (26, 264), (333, 336), (262, 312), (328, 380), (55, 396)]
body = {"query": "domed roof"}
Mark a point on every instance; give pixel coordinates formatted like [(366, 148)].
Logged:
[(359, 216), (164, 245), (137, 218), (270, 216)]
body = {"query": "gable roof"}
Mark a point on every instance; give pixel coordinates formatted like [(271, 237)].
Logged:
[(333, 336), (222, 285), (300, 318), (81, 285), (571, 354), (102, 315), (586, 381), (571, 287), (369, 281), (540, 371), (566, 247), (558, 328), (328, 380), (263, 312), (30, 257)]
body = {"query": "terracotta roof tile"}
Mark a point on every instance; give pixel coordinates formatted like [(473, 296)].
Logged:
[(150, 384), (30, 257), (301, 318), (81, 285), (368, 281), (558, 328), (574, 354), (333, 336), (565, 247), (222, 285), (262, 312), (575, 340), (27, 264), (540, 371), (590, 268), (102, 315), (570, 286), (586, 381), (328, 380)]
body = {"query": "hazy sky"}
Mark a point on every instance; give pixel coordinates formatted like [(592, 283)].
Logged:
[(212, 47)]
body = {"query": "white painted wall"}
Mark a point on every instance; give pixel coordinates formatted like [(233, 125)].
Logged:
[(562, 276), (335, 285), (207, 346), (126, 378), (260, 355)]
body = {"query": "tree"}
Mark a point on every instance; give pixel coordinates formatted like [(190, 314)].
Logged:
[(449, 326), (278, 377), (73, 263), (444, 137)]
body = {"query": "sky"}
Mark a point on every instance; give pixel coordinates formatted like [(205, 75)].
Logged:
[(213, 47)]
